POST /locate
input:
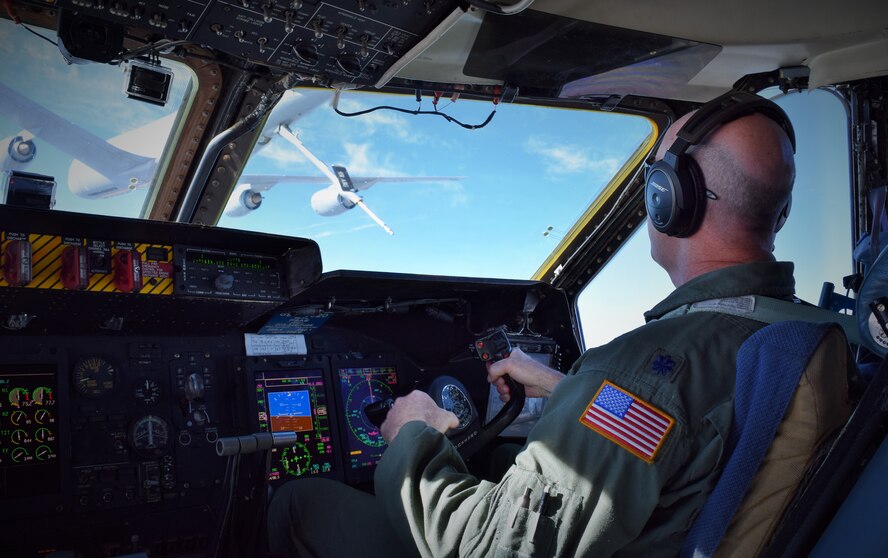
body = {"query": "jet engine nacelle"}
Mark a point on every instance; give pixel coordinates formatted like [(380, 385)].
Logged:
[(18, 151), (243, 200), (330, 201)]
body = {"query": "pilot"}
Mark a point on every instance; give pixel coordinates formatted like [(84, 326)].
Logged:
[(633, 436)]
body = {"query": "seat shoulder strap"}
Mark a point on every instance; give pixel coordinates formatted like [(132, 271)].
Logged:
[(771, 310)]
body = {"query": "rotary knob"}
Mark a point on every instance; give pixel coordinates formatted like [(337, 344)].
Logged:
[(224, 282)]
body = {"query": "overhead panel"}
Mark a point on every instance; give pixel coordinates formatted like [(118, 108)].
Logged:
[(351, 41)]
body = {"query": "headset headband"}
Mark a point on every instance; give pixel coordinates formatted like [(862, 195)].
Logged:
[(721, 110)]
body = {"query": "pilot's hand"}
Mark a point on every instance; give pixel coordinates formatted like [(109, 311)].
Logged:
[(538, 379), (416, 405)]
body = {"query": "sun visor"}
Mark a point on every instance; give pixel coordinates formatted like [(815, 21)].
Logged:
[(538, 52), (662, 76)]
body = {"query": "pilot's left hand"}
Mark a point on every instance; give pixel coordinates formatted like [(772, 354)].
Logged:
[(416, 405)]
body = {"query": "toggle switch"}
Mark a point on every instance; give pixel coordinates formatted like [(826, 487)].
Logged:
[(74, 273), (127, 271), (17, 263)]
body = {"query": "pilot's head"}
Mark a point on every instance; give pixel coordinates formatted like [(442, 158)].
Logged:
[(746, 171)]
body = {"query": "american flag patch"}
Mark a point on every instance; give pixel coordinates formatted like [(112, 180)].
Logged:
[(628, 421)]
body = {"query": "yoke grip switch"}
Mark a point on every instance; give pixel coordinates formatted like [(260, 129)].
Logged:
[(493, 346)]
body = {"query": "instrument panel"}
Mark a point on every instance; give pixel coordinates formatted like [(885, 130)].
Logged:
[(115, 274), (106, 431), (112, 402)]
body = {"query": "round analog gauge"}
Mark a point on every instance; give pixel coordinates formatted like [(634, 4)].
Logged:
[(149, 436), (94, 377), (43, 434), (18, 455), (359, 396), (42, 416), (17, 418), (42, 453), (42, 396), (296, 460), (147, 391), (18, 397), (457, 402)]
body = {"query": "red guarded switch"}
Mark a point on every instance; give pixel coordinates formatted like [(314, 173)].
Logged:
[(17, 263), (75, 268), (127, 271)]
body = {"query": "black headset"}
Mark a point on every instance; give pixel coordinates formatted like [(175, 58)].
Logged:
[(675, 192)]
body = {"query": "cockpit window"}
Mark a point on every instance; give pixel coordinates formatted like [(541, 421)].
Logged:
[(76, 123), (493, 201), (816, 237)]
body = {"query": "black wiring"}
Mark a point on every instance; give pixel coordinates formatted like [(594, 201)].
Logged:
[(417, 112), (44, 37), (149, 49), (221, 533)]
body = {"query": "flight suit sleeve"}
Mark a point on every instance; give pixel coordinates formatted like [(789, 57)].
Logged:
[(427, 492), (599, 504)]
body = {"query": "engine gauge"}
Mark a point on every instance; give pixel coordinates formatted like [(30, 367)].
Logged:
[(147, 391), (149, 436), (19, 397), (296, 460), (42, 396), (94, 377)]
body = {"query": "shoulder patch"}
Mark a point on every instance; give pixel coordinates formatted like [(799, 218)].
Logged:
[(626, 420)]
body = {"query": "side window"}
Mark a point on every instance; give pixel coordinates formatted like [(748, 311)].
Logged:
[(817, 236)]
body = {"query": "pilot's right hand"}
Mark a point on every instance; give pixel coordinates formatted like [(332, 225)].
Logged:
[(538, 379)]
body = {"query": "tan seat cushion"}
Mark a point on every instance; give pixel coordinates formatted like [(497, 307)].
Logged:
[(819, 406)]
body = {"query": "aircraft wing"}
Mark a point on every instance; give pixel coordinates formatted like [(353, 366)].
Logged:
[(81, 144), (364, 182), (263, 182)]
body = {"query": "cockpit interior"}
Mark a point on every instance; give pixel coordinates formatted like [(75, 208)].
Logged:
[(179, 339)]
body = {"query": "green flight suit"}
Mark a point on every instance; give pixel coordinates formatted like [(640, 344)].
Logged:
[(602, 499)]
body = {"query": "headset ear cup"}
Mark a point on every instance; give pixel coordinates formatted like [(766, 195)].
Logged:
[(693, 197), (659, 196), (675, 196)]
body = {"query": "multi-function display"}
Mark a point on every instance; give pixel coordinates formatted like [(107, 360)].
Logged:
[(295, 401), (360, 387)]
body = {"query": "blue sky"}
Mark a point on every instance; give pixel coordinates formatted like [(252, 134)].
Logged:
[(527, 170)]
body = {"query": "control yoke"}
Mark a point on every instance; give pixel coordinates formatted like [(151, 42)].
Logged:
[(449, 393)]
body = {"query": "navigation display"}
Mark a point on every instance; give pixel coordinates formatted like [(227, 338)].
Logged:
[(29, 431), (360, 387), (295, 400)]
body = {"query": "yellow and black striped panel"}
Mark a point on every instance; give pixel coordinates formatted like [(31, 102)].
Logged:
[(157, 276), (46, 264), (46, 261)]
